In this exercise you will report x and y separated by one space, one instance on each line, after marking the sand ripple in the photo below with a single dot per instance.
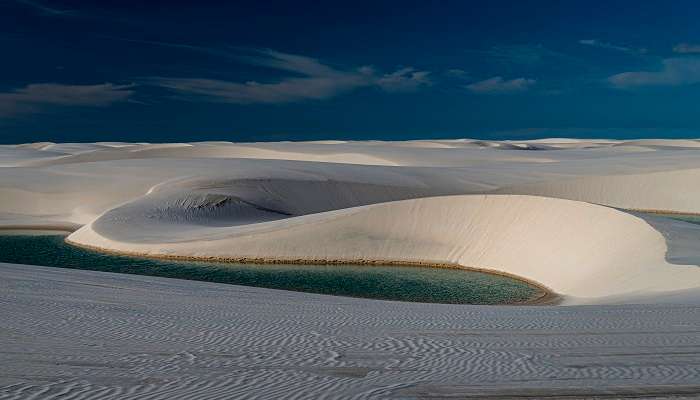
71 334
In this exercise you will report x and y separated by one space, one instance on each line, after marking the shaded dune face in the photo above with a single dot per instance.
199 203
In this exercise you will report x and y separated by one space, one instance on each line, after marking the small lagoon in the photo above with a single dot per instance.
403 283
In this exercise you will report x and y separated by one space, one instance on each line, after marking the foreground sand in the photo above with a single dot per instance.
70 334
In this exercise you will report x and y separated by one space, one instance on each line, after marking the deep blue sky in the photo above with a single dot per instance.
244 71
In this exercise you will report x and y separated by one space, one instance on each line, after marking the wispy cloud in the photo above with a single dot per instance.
286 91
498 85
611 46
37 97
673 72
313 81
686 48
46 10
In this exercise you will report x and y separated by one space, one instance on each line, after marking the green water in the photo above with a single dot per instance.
692 218
421 284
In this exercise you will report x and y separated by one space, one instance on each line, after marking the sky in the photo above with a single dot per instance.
267 70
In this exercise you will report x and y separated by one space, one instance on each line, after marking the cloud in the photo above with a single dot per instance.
686 48
673 72
610 46
38 96
288 90
497 85
313 81
288 62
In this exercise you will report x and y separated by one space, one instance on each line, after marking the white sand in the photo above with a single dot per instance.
295 201
319 201
70 334
298 201
541 210
574 248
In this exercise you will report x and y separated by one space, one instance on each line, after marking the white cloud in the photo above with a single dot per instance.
497 85
314 81
288 62
673 72
686 48
288 90
37 96
610 46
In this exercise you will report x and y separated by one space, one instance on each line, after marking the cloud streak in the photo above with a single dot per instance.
498 85
38 96
673 72
311 80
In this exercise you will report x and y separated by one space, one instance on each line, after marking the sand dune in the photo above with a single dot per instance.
446 153
574 248
336 200
80 192
667 190
557 212
661 143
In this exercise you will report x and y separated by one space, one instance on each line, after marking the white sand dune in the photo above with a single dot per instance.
80 192
664 191
334 200
576 249
557 212
673 143
201 150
